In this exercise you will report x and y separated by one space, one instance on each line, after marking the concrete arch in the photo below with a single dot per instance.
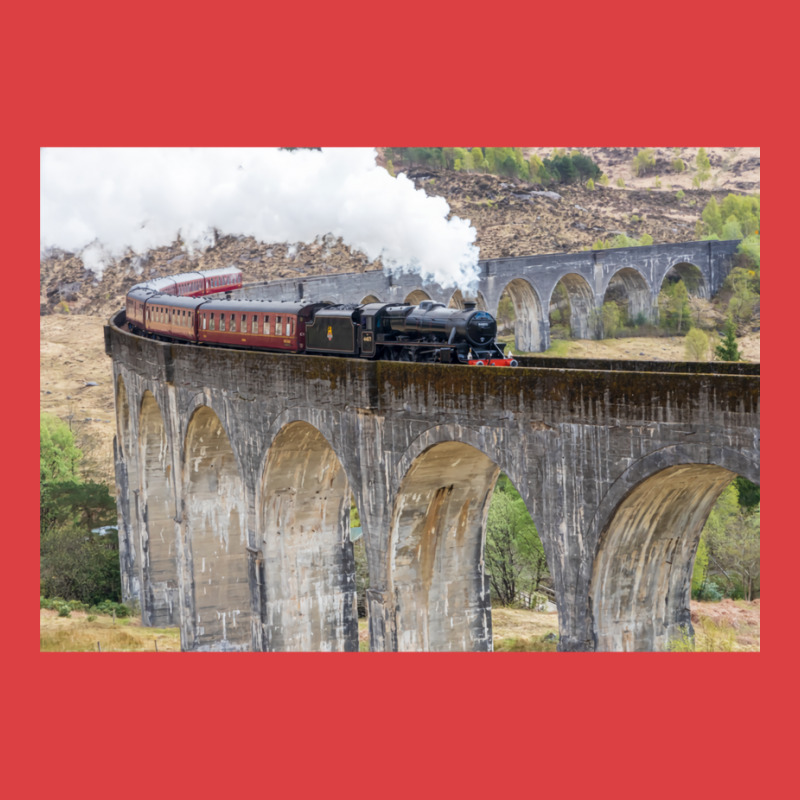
483 441
415 297
529 315
370 298
437 537
629 288
692 277
641 578
309 568
201 400
457 300
158 546
579 307
215 529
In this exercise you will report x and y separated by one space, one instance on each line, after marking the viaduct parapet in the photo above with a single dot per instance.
235 472
634 275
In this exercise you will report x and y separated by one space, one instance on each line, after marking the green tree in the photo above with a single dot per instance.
712 217
75 563
644 161
703 165
728 350
750 248
732 535
590 185
700 571
731 229
58 455
743 285
673 302
514 554
697 345
611 317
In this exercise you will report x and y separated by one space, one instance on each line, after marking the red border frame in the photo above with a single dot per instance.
390 725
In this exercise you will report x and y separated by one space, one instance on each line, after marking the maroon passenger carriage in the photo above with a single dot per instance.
263 324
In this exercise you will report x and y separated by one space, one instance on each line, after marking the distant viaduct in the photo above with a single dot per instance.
634 275
235 472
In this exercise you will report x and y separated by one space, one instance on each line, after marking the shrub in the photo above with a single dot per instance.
680 194
644 161
620 183
63 610
697 345
678 165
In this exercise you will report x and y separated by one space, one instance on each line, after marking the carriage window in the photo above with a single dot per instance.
290 326
233 322
255 323
222 322
211 324
266 323
278 321
243 328
205 321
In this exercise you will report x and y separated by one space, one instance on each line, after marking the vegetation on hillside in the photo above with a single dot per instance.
509 162
728 560
76 563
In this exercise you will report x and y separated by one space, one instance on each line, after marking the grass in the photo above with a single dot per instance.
77 634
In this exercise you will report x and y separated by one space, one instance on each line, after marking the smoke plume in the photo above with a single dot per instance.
105 203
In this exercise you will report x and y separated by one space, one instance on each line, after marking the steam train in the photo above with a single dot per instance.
184 308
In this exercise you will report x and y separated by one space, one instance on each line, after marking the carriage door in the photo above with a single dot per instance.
368 336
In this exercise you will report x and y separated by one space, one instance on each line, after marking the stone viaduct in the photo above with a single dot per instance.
632 275
235 472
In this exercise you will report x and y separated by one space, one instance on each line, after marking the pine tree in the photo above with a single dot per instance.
729 350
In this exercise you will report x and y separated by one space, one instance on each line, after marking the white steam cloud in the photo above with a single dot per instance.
104 203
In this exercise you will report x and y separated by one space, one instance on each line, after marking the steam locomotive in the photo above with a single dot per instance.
184 308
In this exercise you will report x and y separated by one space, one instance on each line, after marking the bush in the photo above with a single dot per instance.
697 345
63 610
710 592
680 194
644 161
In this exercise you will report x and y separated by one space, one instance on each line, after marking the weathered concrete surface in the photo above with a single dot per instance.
632 275
618 470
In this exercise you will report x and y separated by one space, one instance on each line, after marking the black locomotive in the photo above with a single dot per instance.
427 332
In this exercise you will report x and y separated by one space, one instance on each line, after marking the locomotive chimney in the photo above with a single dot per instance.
469 303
